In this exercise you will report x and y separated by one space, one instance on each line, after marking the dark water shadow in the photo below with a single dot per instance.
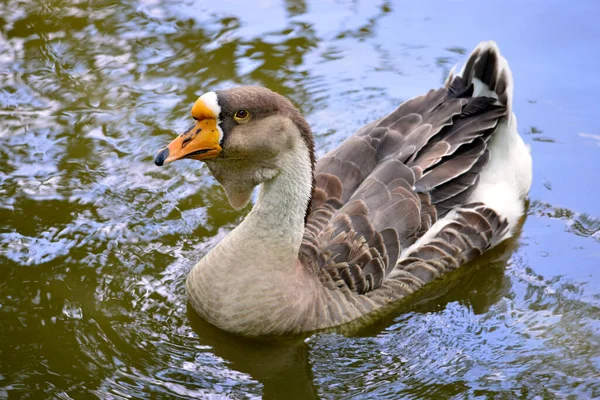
281 364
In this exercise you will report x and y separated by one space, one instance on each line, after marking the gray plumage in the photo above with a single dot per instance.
383 188
403 201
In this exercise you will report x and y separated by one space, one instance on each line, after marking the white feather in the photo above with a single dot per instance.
211 101
506 179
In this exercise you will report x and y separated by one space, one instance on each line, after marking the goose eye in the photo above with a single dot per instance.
241 116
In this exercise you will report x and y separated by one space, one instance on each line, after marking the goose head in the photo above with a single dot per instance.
244 135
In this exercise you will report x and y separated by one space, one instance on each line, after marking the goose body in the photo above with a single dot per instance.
403 201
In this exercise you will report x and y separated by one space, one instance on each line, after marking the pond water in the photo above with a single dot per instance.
95 241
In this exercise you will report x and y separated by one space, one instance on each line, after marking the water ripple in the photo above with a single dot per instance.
96 242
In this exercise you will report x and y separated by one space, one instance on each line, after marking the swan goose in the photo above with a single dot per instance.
403 201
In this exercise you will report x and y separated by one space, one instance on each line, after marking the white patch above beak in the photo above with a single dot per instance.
211 101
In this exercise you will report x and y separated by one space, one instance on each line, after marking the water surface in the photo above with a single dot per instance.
95 241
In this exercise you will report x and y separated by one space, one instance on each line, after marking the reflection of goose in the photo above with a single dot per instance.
282 365
406 199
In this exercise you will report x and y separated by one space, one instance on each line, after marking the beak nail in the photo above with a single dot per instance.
161 157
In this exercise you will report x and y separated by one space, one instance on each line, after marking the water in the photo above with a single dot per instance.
95 241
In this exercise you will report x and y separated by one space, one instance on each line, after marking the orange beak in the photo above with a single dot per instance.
200 142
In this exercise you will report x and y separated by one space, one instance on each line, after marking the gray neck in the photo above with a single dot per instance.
278 215
252 281
269 238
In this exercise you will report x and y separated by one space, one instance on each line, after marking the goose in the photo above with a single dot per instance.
403 201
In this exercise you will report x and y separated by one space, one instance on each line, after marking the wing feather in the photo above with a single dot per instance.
383 188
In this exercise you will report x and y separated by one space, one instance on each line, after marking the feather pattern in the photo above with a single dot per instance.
386 186
406 199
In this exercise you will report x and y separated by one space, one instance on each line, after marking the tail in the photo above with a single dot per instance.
505 181
489 73
492 210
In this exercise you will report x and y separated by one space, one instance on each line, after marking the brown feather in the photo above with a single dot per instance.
387 185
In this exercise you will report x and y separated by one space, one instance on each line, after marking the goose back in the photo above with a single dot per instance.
385 187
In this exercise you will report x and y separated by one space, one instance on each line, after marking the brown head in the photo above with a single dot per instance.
241 134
